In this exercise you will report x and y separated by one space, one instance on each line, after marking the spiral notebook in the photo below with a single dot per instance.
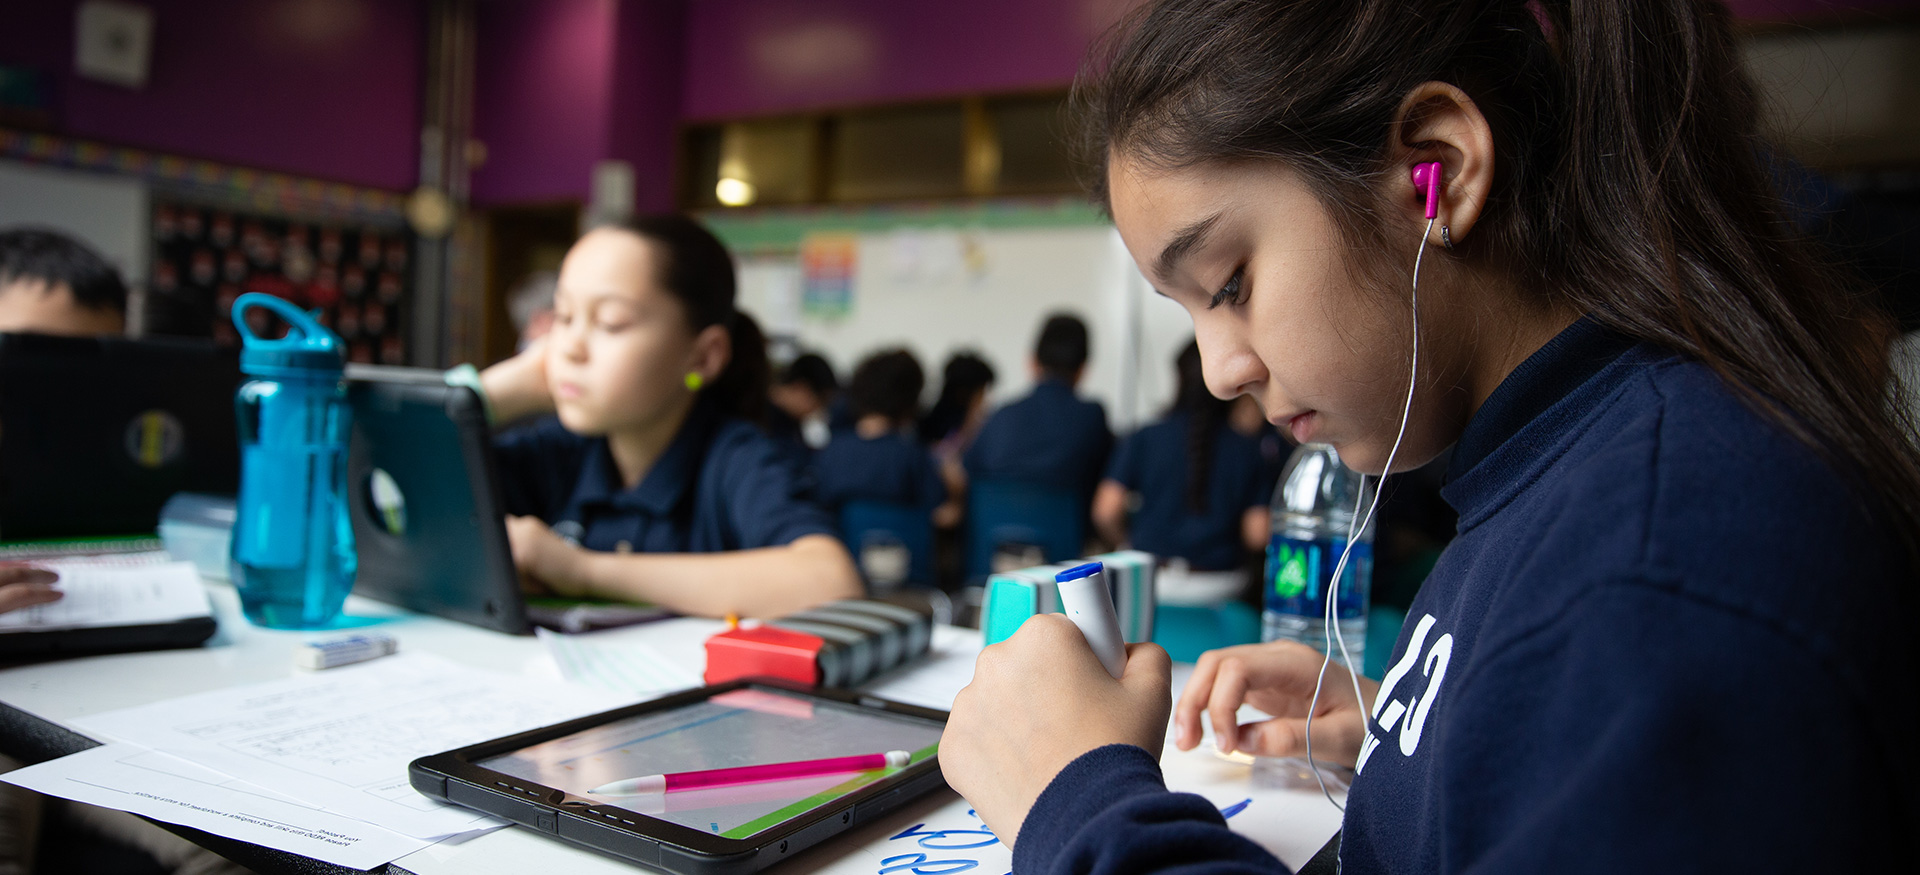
112 602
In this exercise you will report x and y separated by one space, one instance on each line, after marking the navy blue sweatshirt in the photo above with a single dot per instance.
1667 638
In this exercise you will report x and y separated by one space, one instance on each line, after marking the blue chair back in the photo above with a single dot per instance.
863 522
1000 512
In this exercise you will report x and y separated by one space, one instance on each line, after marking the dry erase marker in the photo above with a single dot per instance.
344 651
1083 595
751 774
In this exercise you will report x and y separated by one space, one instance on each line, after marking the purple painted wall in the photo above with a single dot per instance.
324 88
647 75
757 57
764 57
541 87
562 84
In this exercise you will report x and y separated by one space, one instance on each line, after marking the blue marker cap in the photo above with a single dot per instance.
1078 571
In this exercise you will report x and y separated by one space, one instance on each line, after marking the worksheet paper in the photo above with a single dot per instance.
933 681
172 790
625 666
340 740
115 595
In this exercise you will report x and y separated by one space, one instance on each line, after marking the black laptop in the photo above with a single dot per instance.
97 433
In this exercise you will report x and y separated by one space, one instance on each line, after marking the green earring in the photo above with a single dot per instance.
695 381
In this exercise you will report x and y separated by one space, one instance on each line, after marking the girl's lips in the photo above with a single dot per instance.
568 391
1301 427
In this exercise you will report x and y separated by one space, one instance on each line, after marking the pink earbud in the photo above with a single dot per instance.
1427 179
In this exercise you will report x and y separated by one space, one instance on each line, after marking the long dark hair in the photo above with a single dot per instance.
965 376
1630 185
697 270
1206 415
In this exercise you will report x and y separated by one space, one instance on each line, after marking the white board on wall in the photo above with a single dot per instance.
109 213
938 292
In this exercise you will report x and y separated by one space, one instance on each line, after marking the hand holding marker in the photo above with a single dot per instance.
1083 593
759 774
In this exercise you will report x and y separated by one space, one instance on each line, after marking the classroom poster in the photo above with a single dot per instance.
828 262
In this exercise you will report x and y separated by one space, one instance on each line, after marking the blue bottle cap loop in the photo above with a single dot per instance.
309 350
1078 571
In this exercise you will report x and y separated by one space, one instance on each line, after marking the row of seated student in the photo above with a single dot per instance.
1195 483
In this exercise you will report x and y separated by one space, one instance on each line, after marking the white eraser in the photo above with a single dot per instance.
335 652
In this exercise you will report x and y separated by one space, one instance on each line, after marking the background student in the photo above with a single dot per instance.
879 459
1684 580
1200 486
1052 438
956 417
803 396
664 493
53 284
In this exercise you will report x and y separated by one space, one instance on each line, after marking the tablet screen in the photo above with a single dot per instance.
738 728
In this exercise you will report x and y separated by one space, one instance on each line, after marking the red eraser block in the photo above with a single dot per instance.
763 651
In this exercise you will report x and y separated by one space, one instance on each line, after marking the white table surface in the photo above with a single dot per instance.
1293 823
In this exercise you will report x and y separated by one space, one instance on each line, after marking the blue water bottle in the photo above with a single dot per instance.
293 553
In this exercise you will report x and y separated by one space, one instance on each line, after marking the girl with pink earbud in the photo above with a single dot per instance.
1534 236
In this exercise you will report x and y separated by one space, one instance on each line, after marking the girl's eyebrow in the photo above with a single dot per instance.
1183 243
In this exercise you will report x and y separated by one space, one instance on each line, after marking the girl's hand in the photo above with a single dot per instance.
1276 677
546 562
23 586
1038 701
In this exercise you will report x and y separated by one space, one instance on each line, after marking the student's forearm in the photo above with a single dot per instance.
765 582
517 388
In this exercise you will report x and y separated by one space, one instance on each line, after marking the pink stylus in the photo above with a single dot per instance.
751 774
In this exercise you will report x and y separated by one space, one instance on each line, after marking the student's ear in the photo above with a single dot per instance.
1439 122
712 350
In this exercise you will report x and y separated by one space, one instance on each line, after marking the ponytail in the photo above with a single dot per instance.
1630 187
741 388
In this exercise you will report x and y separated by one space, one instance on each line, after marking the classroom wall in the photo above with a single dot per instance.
543 75
760 57
322 88
109 213
564 84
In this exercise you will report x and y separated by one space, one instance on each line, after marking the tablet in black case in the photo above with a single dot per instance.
542 779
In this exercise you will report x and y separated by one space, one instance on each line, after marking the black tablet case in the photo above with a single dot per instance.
452 558
450 777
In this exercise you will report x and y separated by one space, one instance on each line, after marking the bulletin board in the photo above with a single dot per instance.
356 276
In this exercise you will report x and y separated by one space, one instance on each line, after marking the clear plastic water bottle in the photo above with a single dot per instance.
1313 507
293 551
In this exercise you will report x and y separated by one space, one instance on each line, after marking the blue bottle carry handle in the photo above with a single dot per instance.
312 333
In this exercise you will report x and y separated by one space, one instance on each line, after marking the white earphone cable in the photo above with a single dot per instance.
1355 526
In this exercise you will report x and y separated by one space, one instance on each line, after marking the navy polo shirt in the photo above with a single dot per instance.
893 468
1669 637
1051 438
722 484
1153 463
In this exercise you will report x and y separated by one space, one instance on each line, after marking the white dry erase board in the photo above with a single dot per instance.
936 291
